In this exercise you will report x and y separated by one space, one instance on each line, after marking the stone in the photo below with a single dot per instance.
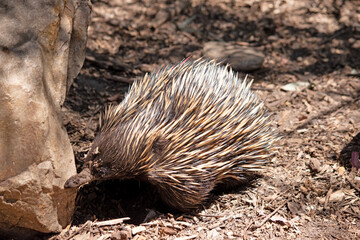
42 49
240 58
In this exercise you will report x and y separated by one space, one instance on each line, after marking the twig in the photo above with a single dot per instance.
353 74
221 221
327 197
111 222
247 227
156 222
118 79
107 64
282 101
351 213
272 214
321 115
76 232
335 35
210 215
184 223
187 237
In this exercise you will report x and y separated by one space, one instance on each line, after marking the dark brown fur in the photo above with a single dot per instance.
185 129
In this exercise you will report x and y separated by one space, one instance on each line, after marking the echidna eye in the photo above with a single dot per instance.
99 170
102 170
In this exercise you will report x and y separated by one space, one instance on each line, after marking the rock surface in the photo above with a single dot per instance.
240 58
42 48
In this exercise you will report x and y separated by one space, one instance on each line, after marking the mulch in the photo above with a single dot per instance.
310 189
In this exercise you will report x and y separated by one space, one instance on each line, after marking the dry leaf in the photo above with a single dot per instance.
278 219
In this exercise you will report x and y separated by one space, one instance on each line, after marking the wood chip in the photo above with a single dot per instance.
184 223
315 165
271 214
168 231
137 230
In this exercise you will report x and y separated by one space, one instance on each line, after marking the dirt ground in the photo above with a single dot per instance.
309 191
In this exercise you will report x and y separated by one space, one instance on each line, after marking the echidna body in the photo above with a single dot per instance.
185 129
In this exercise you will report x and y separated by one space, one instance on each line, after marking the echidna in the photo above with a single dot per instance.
185 129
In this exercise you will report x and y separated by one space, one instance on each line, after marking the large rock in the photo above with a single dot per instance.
240 58
42 48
